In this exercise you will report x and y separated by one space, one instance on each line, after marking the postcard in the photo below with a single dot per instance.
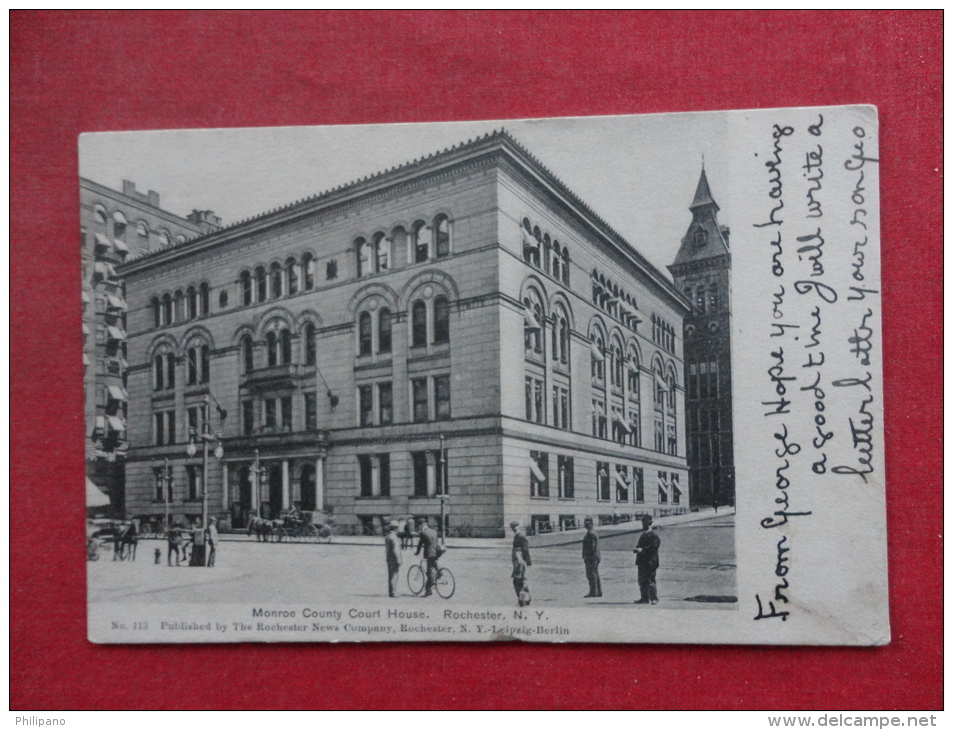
607 379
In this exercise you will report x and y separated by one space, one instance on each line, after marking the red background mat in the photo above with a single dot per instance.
75 72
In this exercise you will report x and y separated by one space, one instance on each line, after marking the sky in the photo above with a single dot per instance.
638 173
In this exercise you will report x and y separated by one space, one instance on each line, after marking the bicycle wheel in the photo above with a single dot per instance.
416 579
324 533
446 584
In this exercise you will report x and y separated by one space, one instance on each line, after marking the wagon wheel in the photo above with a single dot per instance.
324 533
282 535
309 533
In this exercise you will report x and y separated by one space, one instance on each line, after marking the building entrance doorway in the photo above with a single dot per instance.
308 489
274 493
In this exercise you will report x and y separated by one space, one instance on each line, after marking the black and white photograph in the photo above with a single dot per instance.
606 379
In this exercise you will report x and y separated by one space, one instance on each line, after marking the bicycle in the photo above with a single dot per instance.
417 579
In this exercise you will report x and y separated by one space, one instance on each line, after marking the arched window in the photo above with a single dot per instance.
532 324
364 257
170 370
618 365
157 311
204 365
384 330
307 267
560 336
248 354
291 266
399 243
421 241
119 224
191 303
285 338
418 324
565 266
381 253
192 368
99 212
142 231
261 283
165 238
633 374
441 321
166 309
364 334
310 345
276 278
178 306
598 358
248 291
441 227
204 306
271 342
546 253
557 260
159 372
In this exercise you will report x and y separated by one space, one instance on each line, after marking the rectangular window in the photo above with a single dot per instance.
638 483
676 492
192 370
160 429
564 408
600 423
286 413
384 474
419 459
194 473
421 410
385 397
271 412
441 388
602 481
659 437
538 474
311 411
621 483
529 399
367 479
193 415
170 427
366 404
662 488
692 381
248 417
567 489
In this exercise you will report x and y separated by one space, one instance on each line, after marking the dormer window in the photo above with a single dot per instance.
701 238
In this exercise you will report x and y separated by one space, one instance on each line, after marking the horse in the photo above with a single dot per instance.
126 542
263 529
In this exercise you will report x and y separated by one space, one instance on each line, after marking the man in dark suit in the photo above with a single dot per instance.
646 559
392 552
521 559
591 557
428 544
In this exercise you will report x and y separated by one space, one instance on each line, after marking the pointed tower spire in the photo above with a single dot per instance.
703 193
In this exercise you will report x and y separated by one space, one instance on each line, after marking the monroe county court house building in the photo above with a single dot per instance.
462 326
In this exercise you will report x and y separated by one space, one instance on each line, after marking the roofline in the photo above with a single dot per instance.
499 140
92 184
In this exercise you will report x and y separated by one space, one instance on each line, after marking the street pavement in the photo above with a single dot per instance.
697 571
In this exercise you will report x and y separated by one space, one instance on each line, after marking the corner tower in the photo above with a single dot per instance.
702 272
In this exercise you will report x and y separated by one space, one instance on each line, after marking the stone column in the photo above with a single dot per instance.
225 487
285 485
319 484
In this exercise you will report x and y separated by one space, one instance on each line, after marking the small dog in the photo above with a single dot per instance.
524 596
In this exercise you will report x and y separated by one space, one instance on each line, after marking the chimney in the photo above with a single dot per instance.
129 189
206 220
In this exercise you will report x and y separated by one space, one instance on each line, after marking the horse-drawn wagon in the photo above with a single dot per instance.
296 526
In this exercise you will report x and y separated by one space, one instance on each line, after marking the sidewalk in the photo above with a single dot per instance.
537 541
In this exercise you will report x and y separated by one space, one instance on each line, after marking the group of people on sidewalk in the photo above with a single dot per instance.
178 546
646 561
428 544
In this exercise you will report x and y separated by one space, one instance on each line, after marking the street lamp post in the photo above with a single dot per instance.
443 491
206 436
259 473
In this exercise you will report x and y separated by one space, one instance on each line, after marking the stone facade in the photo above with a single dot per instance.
462 326
113 226
702 271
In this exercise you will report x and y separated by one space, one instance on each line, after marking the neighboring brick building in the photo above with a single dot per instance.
114 226
462 324
702 270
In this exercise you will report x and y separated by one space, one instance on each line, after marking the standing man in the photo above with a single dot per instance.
646 558
521 559
591 557
174 538
392 551
211 539
428 544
